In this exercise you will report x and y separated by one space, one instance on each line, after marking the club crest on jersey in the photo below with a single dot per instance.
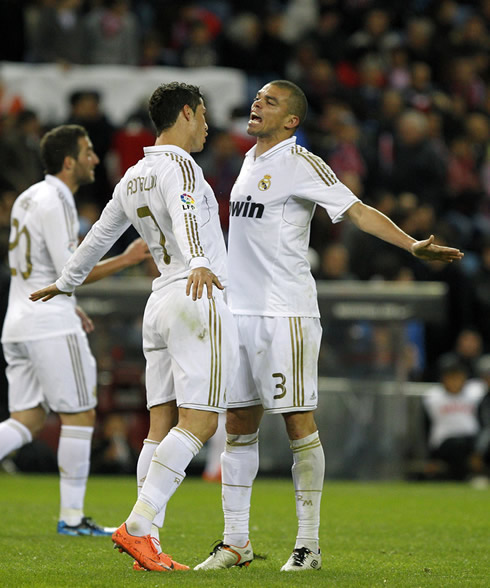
188 202
265 183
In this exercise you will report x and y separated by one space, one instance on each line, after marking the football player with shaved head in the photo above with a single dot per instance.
273 297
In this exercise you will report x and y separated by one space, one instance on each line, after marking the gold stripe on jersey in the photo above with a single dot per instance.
185 178
68 213
191 174
193 235
296 334
215 345
77 366
321 168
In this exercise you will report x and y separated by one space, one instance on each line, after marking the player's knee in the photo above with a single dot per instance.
299 424
243 421
79 419
33 419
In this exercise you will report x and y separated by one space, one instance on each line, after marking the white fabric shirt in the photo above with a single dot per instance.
272 204
174 210
453 415
43 235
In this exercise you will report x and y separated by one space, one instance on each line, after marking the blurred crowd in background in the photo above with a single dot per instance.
399 101
399 107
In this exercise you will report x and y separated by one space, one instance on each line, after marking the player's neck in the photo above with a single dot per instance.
174 136
266 143
68 181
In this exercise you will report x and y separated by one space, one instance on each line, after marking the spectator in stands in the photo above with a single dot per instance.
481 456
469 348
334 263
112 34
58 36
86 110
200 50
20 157
417 167
481 288
451 417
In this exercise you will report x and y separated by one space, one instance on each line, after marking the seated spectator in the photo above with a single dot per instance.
451 417
481 457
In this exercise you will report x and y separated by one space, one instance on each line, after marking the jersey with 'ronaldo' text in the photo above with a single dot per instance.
173 208
271 207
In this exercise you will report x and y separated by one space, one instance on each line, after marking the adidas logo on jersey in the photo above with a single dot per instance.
247 208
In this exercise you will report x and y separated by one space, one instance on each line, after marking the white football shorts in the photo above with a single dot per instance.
191 349
58 373
278 363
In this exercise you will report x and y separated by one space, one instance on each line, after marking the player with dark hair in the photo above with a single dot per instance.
189 340
50 365
273 297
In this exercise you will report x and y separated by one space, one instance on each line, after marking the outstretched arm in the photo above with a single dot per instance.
136 252
372 221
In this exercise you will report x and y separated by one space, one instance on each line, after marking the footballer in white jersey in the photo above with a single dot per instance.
271 207
272 295
174 209
189 340
44 233
49 362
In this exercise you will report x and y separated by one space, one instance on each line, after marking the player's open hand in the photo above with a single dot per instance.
87 324
47 293
198 278
427 250
137 251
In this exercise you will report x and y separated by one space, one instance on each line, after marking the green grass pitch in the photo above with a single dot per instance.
373 534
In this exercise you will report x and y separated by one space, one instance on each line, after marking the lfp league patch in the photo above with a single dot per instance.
188 202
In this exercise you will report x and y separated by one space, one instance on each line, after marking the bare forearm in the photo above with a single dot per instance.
107 267
375 223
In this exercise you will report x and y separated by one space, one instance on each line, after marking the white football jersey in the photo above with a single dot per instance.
174 210
271 207
43 235
453 415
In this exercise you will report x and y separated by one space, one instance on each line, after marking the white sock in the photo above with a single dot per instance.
74 465
142 468
13 435
308 473
239 466
166 472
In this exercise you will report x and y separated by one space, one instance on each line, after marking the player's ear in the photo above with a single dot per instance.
187 112
292 122
68 162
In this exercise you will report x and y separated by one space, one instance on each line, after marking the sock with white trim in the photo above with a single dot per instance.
239 466
166 472
74 465
13 435
308 473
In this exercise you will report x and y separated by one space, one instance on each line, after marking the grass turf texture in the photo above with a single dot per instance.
373 534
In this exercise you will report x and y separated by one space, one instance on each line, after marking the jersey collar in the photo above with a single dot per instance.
61 186
156 149
273 150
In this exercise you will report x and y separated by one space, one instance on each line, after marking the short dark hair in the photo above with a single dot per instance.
59 143
298 104
168 100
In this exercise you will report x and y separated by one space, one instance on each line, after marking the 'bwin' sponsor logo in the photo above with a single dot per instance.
246 208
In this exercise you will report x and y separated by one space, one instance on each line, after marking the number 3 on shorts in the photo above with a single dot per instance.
281 385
